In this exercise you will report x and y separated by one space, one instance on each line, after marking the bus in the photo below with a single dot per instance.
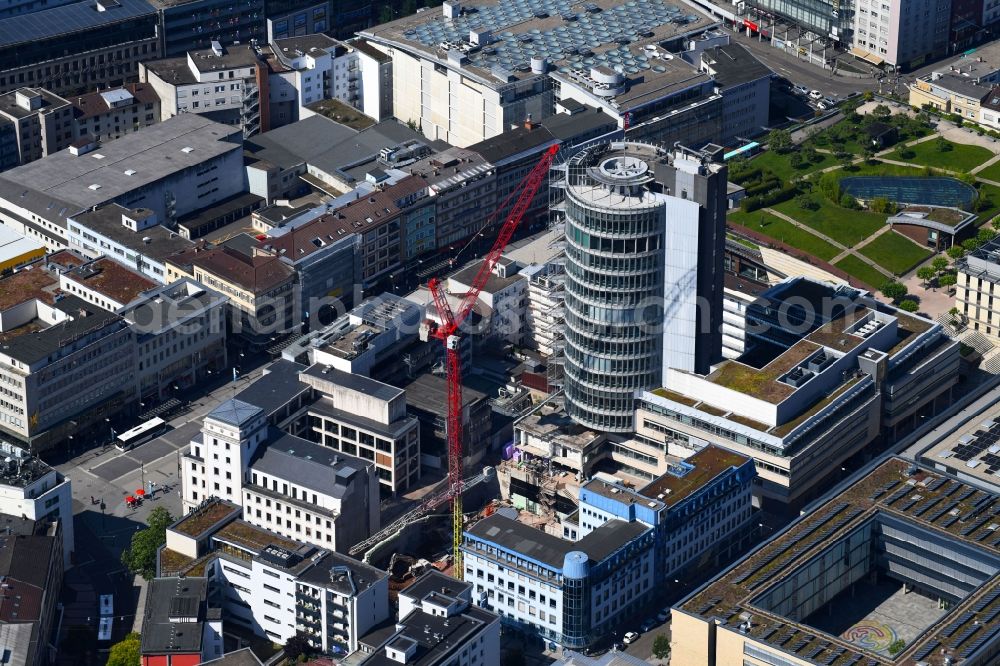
140 434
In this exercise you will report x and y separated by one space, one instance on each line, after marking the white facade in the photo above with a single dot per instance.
734 323
180 334
279 491
546 307
376 84
32 489
901 32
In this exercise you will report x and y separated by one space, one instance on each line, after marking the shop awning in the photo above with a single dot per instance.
867 56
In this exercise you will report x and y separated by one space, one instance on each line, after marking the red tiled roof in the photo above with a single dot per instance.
256 274
92 104
359 216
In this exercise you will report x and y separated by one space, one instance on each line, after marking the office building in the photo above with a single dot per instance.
826 372
204 167
105 283
132 237
180 336
287 484
228 84
261 289
105 115
16 250
969 452
179 622
273 586
78 46
546 312
426 397
509 73
34 491
700 510
66 366
978 281
369 340
571 593
745 85
192 25
31 567
43 122
364 418
638 296
898 536
746 278
437 625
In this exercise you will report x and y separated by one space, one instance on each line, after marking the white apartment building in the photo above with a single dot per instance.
977 292
294 487
900 33
437 625
313 68
222 82
31 489
276 587
503 299
375 66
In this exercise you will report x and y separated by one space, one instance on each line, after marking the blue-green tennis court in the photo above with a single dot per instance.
931 190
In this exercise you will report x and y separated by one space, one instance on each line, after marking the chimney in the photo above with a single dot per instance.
528 124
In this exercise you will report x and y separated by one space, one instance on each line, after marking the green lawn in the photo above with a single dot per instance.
991 194
848 227
786 232
895 252
992 172
961 157
861 271
883 169
778 163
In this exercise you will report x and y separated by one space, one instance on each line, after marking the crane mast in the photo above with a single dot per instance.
447 331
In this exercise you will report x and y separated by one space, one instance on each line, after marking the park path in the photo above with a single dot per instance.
844 250
990 162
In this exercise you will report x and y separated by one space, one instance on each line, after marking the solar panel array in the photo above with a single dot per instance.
574 39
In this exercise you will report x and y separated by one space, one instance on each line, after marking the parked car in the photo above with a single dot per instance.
663 616
647 625
815 94
829 101
822 106
630 637
800 90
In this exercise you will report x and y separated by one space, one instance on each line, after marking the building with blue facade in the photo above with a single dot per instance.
616 552
701 508
569 593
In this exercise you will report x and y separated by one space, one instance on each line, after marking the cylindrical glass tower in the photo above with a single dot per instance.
614 288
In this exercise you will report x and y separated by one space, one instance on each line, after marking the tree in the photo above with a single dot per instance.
795 160
909 305
881 111
779 140
140 556
868 96
947 280
942 145
939 264
661 646
926 274
296 646
896 647
986 235
847 201
971 244
956 251
967 178
806 202
125 653
893 290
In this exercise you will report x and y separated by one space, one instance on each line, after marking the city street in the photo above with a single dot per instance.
109 476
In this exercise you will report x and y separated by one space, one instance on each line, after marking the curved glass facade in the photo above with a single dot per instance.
615 228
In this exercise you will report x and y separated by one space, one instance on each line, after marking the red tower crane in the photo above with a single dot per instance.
447 332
